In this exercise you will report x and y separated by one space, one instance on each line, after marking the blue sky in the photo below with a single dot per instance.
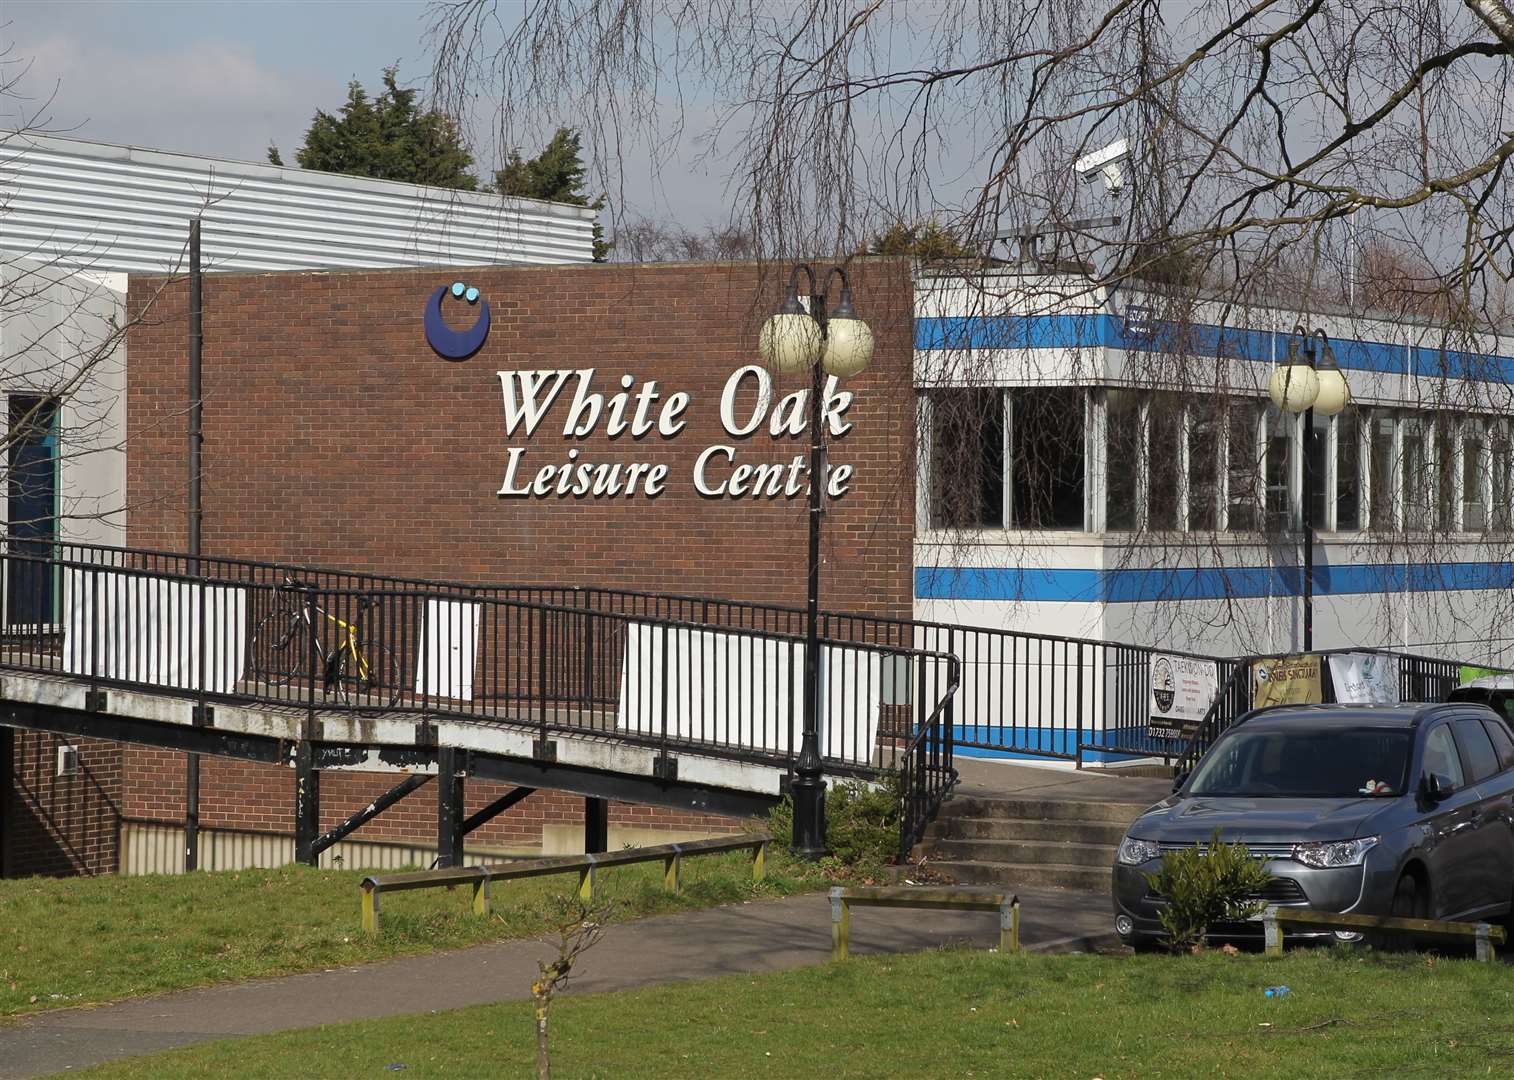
224 77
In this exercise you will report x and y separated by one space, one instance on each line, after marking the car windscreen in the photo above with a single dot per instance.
1305 763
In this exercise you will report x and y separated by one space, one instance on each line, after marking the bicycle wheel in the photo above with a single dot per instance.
276 649
376 683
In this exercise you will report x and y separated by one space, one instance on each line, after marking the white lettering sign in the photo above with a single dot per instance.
746 407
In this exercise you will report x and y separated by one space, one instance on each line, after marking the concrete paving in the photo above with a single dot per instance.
752 937
988 777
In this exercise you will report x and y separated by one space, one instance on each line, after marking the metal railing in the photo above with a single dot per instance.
216 629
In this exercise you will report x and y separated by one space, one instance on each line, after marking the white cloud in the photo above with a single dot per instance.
210 98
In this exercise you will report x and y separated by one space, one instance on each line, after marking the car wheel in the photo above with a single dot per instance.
1411 900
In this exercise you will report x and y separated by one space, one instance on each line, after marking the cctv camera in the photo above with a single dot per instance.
1105 164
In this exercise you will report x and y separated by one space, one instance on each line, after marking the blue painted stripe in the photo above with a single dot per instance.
1260 346
1131 586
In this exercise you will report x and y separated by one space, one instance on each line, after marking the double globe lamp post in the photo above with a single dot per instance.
1310 382
822 341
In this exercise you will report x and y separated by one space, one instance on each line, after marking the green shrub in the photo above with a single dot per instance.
861 822
1206 885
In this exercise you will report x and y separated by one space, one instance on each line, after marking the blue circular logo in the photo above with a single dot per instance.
453 344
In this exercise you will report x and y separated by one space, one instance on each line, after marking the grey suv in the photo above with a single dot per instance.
1402 810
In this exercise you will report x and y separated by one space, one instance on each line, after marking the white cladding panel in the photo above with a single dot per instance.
90 205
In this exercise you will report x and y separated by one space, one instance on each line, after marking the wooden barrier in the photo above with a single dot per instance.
587 866
1484 935
843 900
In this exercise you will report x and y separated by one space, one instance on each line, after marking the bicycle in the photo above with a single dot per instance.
359 670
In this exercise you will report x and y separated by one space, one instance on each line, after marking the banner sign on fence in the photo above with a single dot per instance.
1364 678
746 691
1285 680
146 629
1182 689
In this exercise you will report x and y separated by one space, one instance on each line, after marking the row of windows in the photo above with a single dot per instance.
1112 460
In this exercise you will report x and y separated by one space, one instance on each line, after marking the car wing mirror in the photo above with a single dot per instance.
1434 787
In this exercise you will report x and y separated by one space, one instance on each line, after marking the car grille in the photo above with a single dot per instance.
1258 851
1279 890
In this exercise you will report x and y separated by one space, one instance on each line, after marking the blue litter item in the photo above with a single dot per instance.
1276 991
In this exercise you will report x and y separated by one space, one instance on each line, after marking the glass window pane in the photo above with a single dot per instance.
1319 476
1445 471
32 509
1204 467
967 459
1384 476
1122 459
1279 443
1164 459
1047 451
1476 750
1244 468
1474 515
1415 469
1348 464
1501 456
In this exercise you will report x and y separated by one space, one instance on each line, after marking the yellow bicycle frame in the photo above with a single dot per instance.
349 644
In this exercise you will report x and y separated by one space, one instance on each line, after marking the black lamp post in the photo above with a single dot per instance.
834 342
1310 382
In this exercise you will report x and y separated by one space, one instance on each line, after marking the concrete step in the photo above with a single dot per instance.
1022 852
1010 875
1078 832
978 806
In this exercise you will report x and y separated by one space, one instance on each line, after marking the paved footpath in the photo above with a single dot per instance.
752 937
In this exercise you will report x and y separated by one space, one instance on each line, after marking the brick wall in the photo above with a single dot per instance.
335 436
55 824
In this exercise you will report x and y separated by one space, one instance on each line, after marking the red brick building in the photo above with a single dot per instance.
336 436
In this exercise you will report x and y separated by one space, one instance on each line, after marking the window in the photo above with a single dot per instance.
1123 457
1417 479
1476 750
1383 474
1204 429
31 593
1503 743
967 459
1047 452
1285 763
1164 459
1349 428
1444 428
1318 450
1474 513
1243 468
1279 443
1441 759
1500 459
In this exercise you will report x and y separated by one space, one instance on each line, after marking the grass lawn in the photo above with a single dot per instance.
77 940
948 1014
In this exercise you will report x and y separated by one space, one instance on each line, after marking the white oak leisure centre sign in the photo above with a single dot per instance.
746 408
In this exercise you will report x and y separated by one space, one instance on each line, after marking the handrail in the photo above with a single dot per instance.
1485 935
480 877
844 899
1209 728
924 784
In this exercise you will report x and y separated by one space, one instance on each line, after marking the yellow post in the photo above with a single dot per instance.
586 884
481 896
370 911
760 861
1009 927
841 924
671 867
1272 933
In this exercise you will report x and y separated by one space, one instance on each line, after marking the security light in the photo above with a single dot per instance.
1105 165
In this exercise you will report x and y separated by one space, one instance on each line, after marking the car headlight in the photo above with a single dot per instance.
1133 852
1329 854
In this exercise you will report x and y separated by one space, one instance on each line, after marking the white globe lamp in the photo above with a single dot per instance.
1293 387
790 340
